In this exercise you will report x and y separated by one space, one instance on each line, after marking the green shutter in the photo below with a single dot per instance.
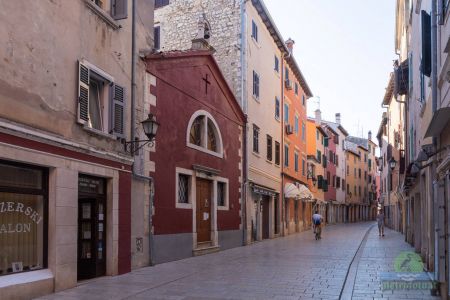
325 185
326 141
319 181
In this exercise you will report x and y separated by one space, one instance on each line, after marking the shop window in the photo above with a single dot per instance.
23 218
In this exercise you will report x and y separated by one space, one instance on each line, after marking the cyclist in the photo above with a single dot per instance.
317 220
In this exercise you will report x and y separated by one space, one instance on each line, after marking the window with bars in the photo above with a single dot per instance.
221 194
183 188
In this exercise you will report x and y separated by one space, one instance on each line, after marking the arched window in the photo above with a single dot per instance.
203 134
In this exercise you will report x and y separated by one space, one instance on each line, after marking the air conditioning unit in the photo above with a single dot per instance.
288 84
289 129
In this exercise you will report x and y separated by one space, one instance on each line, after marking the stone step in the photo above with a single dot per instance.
205 250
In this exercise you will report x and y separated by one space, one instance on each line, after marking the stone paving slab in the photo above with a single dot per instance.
377 258
292 267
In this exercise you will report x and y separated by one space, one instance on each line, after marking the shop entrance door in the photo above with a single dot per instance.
91 229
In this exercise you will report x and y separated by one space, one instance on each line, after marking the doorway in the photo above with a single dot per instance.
91 228
265 217
203 210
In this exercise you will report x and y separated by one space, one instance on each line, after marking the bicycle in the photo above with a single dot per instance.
318 232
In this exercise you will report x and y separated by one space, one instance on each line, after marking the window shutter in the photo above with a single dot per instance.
117 123
83 93
326 142
119 9
319 181
426 44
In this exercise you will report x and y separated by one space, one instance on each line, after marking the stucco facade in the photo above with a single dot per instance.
42 124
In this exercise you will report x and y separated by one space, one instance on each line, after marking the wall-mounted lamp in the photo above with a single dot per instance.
150 128
392 163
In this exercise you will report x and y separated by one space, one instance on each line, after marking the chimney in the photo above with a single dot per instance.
318 117
338 118
290 45
370 135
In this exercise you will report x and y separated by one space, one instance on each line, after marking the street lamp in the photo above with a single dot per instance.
150 127
392 163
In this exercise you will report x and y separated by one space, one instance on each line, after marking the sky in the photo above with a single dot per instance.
345 50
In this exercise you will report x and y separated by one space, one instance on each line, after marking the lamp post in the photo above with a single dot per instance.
150 127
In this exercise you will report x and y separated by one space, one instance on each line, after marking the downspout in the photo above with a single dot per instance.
133 73
435 142
133 121
245 183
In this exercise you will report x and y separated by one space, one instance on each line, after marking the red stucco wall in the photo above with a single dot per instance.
180 92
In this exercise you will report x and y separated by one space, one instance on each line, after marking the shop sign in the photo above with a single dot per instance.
18 207
90 185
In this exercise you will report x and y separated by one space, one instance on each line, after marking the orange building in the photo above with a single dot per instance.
316 149
297 208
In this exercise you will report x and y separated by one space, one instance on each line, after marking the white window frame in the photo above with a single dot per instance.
191 185
203 148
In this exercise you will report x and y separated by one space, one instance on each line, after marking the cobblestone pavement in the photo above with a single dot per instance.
292 267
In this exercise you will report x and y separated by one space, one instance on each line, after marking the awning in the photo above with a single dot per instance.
291 191
300 192
305 193
440 119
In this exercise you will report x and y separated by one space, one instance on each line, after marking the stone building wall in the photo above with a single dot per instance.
178 23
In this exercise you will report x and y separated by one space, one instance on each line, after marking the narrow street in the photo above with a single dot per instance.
292 267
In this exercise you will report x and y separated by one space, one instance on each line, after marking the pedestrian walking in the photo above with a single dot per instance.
380 219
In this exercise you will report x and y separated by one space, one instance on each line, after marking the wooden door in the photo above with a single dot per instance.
265 217
204 196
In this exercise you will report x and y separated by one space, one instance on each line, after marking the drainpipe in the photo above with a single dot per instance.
245 183
433 109
133 72
133 121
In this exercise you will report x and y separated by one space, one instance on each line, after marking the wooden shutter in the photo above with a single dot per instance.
119 9
83 93
117 123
